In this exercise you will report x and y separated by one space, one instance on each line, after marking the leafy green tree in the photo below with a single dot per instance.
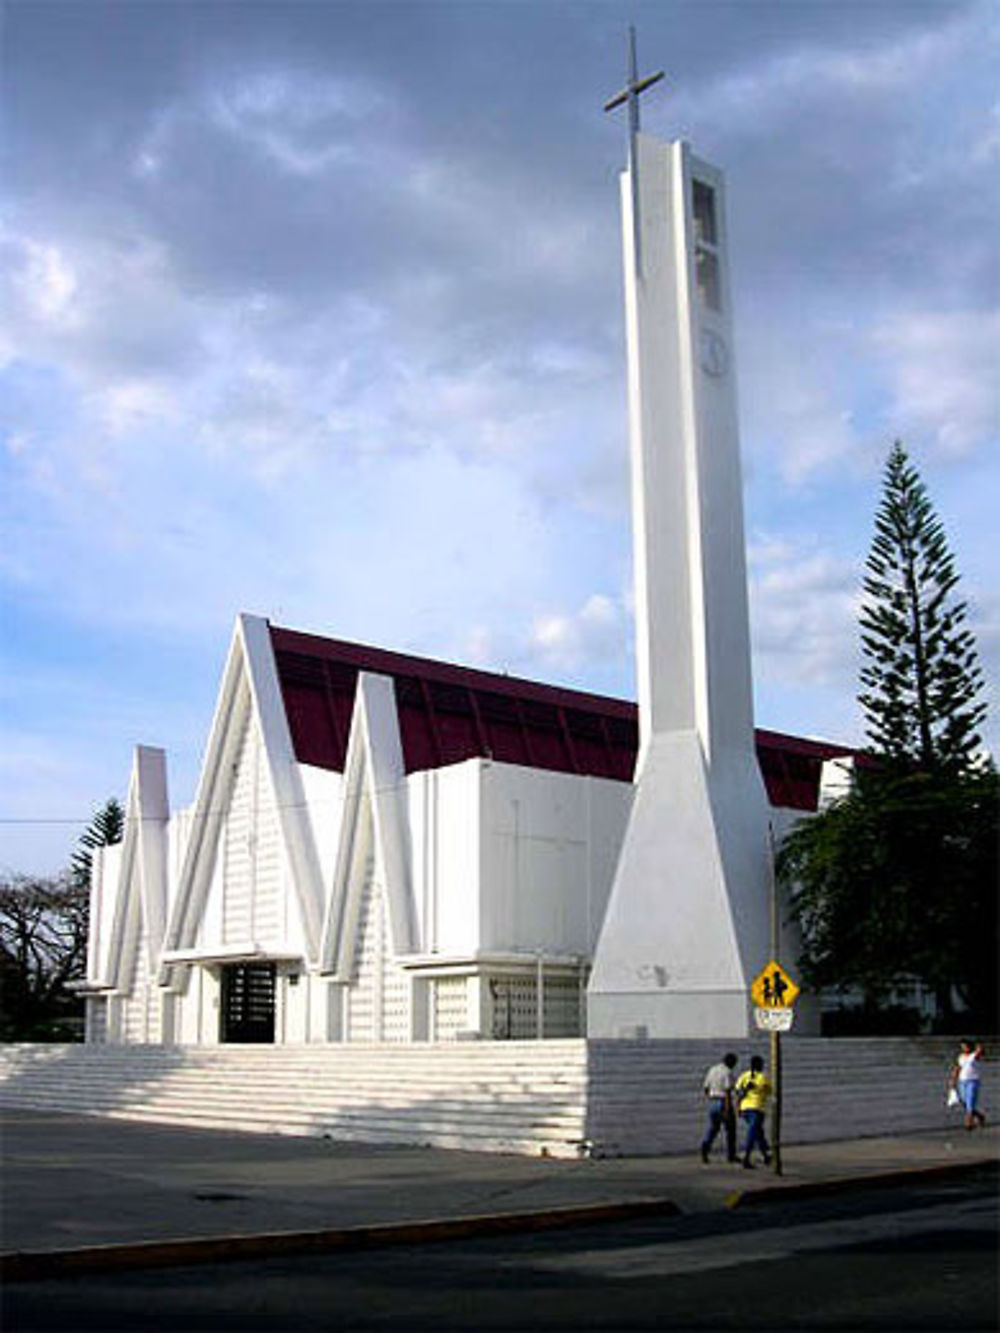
105 829
920 676
898 879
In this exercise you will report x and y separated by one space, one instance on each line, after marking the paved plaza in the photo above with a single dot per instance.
90 1191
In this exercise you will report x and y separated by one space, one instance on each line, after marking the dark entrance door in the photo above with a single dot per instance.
247 1002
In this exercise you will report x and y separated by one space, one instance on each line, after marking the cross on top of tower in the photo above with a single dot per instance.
630 93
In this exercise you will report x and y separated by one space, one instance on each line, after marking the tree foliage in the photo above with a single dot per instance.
43 940
920 676
105 829
43 948
898 879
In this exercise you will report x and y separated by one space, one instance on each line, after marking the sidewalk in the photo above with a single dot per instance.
107 1193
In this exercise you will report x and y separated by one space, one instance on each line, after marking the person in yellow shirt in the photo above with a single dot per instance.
753 1091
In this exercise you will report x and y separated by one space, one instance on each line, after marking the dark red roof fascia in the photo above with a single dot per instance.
801 745
791 767
449 713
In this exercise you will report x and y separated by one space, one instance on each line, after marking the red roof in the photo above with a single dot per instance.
449 713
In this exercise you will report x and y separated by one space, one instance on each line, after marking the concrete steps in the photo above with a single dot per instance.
524 1097
624 1097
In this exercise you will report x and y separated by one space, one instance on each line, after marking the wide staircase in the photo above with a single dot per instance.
519 1097
561 1098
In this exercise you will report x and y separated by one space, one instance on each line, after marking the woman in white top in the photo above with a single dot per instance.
965 1079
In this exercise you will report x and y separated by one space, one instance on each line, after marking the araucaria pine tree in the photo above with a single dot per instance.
105 829
920 678
896 880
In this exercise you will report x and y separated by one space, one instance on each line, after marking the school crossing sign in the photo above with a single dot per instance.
774 993
774 988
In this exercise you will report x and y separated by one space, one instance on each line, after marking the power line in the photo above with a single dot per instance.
84 819
213 812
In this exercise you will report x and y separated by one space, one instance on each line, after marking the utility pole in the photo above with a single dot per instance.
775 1034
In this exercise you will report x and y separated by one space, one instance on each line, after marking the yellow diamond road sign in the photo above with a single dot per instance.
774 988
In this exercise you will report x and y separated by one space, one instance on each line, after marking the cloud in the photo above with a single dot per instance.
588 648
942 369
984 621
842 69
97 308
597 630
920 374
303 123
793 408
42 282
309 322
803 612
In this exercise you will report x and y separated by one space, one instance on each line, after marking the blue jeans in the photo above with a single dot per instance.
755 1135
717 1119
968 1091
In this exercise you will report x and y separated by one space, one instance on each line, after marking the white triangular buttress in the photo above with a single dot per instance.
374 817
250 687
140 888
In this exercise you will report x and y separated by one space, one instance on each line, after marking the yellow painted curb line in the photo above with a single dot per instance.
28 1265
877 1180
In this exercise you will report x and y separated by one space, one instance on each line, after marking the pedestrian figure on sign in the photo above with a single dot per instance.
767 990
718 1088
964 1079
753 1090
778 987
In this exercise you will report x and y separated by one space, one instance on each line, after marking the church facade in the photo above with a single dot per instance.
385 849
382 849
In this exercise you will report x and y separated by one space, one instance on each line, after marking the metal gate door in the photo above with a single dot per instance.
247 1002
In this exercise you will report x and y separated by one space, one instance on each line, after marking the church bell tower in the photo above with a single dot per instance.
688 919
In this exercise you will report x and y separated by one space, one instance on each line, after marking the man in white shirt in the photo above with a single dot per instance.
718 1087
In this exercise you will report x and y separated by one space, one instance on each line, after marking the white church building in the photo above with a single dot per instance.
418 903
382 848
387 849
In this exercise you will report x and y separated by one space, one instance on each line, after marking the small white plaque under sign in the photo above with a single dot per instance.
774 1020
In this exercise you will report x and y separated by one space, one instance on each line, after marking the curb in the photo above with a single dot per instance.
809 1189
37 1265
33 1265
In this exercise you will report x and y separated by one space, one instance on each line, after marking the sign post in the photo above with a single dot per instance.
774 992
775 1032
776 1119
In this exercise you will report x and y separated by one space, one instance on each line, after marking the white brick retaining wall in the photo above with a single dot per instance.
645 1097
627 1098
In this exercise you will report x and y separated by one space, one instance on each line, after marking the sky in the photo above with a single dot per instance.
315 311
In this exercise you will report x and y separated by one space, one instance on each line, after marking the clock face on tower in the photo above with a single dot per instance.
713 353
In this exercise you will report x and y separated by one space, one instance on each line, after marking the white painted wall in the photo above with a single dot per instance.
378 997
549 845
137 997
178 837
103 898
505 860
496 865
444 811
250 900
324 793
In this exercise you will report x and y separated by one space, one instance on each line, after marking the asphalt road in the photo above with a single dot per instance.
913 1258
